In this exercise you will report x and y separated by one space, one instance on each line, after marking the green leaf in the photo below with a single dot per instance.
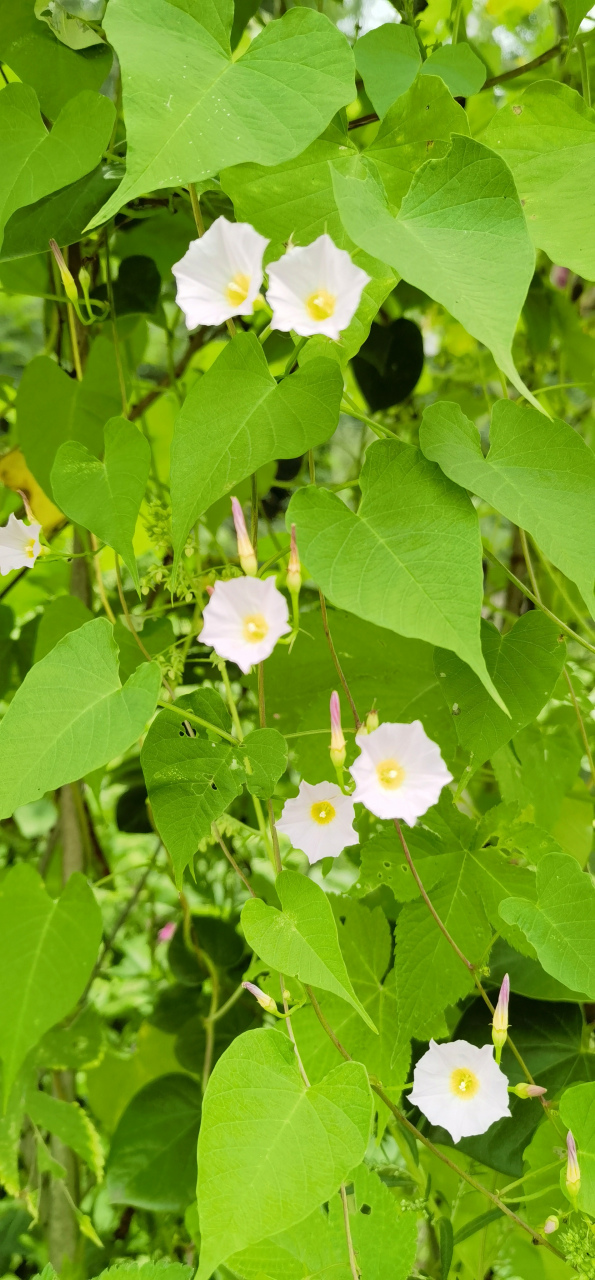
524 664
157 635
423 120
131 1269
69 410
55 72
105 497
388 60
380 667
270 1151
460 68
44 161
215 15
77 1046
429 975
152 1158
548 140
197 123
59 618
539 474
266 750
577 1111
190 782
384 1237
460 220
316 1247
527 977
71 1124
61 216
413 566
561 924
71 715
257 420
47 952
366 944
575 11
301 940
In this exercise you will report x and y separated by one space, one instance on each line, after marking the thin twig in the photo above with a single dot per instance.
527 66
127 613
335 659
565 672
531 596
355 1272
100 583
231 859
130 905
194 344
431 909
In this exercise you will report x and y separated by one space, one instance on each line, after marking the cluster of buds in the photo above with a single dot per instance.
246 551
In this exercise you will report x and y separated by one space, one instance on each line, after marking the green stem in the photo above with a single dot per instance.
204 724
531 596
586 85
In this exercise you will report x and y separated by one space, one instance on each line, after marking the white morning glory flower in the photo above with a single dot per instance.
244 619
400 772
460 1087
319 821
315 289
221 274
19 544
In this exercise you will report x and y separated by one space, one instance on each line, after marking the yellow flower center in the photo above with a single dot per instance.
464 1083
255 628
320 305
323 812
237 289
30 549
390 775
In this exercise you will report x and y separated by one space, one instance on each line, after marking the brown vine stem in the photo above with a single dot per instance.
565 672
339 669
531 596
431 908
379 1090
231 859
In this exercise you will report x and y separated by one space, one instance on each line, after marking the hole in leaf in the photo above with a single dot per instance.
387 865
342 919
365 1209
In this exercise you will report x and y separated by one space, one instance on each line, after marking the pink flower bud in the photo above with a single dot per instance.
559 277
525 1090
573 1172
551 1224
294 572
167 932
245 548
265 1002
500 1020
209 590
337 747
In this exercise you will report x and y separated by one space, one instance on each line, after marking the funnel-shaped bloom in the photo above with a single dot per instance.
265 1002
19 544
399 772
460 1087
315 289
220 274
246 551
244 619
319 821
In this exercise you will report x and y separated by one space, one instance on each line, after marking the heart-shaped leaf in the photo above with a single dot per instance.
460 235
269 1149
257 420
540 475
185 100
47 951
524 665
301 940
105 497
413 565
561 924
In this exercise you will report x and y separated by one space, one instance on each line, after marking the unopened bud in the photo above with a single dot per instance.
209 589
67 278
265 1002
525 1090
551 1224
245 549
294 570
337 747
573 1172
372 721
84 280
500 1020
